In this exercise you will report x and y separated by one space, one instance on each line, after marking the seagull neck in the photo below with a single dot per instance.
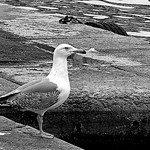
59 68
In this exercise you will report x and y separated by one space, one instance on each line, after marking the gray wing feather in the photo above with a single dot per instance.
35 95
35 101
18 90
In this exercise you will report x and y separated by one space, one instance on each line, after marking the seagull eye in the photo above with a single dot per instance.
66 48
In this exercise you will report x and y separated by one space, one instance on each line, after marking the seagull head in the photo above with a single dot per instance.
65 50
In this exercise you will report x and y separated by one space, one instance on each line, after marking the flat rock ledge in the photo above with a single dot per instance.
16 136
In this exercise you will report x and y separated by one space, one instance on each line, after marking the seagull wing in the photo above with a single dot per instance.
43 86
35 97
18 90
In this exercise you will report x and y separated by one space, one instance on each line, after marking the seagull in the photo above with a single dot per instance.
45 94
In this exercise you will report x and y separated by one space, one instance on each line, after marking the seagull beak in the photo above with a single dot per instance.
79 51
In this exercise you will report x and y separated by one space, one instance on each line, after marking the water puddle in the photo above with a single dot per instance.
147 21
135 2
4 133
140 33
26 8
57 15
97 16
123 17
105 4
46 7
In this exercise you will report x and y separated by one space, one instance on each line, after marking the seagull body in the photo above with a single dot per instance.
48 93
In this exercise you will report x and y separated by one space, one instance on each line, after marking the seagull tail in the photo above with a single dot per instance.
5 106
4 98
4 103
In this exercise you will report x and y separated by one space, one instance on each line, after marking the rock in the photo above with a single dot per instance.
109 96
16 136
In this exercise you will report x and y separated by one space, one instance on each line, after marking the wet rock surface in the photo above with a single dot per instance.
110 90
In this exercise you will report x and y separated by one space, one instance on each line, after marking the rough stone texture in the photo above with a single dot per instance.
110 88
16 136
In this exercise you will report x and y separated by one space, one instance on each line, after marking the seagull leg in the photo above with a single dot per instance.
42 133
